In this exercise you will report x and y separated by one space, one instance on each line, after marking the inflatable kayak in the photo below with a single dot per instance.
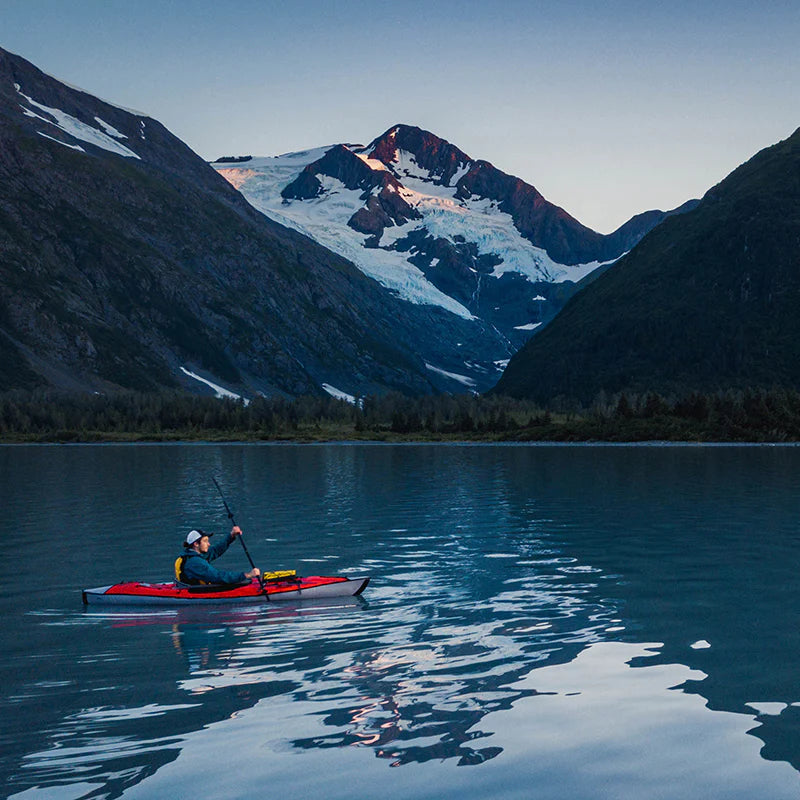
178 594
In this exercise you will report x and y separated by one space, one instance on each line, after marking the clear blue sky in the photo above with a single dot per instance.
608 108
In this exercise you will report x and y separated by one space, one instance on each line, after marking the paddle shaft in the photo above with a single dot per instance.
233 522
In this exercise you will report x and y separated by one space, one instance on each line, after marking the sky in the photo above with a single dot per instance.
607 108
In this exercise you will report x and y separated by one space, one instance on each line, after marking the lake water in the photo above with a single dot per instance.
548 622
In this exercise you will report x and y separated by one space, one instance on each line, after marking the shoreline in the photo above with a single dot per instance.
103 438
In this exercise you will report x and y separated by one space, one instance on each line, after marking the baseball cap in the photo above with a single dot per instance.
195 536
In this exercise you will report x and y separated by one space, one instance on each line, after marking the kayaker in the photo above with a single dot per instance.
192 565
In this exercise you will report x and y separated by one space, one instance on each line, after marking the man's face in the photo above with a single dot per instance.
202 544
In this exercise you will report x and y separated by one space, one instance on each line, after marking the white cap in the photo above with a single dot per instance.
195 536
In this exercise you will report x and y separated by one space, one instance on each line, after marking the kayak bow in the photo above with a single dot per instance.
175 594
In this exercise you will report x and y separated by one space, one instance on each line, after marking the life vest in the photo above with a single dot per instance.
180 577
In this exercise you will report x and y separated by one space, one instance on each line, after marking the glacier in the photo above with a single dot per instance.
445 216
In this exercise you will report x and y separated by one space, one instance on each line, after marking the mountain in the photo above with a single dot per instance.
436 226
707 301
126 261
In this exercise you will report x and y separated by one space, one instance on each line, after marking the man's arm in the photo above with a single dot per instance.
215 551
218 548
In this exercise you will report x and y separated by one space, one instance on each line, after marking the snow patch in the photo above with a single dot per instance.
339 394
220 390
373 163
58 141
33 115
303 157
237 177
404 165
531 326
452 375
110 129
75 128
462 170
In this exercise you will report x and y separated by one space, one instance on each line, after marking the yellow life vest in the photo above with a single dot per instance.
180 563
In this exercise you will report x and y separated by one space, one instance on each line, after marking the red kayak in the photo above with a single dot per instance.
176 594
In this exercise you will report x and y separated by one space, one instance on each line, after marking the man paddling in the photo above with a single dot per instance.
192 565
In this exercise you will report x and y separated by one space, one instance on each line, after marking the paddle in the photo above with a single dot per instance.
233 522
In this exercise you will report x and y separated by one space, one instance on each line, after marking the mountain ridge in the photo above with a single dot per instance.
706 301
537 218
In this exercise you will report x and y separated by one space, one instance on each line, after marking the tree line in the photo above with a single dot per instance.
746 415
71 415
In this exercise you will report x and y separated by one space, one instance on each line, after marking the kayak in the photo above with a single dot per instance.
178 594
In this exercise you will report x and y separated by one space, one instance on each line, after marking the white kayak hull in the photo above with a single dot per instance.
142 594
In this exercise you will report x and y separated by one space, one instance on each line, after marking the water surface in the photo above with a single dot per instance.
557 622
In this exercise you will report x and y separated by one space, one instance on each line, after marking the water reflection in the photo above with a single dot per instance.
411 676
516 597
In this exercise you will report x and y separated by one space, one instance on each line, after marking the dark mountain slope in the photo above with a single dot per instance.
708 300
124 257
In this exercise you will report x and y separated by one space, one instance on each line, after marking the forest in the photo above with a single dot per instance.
755 415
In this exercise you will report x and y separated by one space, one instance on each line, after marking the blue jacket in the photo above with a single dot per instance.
196 568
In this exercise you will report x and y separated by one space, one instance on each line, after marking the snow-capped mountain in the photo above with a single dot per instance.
435 226
126 261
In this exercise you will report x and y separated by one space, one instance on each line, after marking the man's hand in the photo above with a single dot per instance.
236 531
254 573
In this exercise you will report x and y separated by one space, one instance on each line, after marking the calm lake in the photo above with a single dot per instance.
543 622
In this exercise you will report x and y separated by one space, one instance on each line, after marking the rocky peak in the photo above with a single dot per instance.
380 190
339 162
436 156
